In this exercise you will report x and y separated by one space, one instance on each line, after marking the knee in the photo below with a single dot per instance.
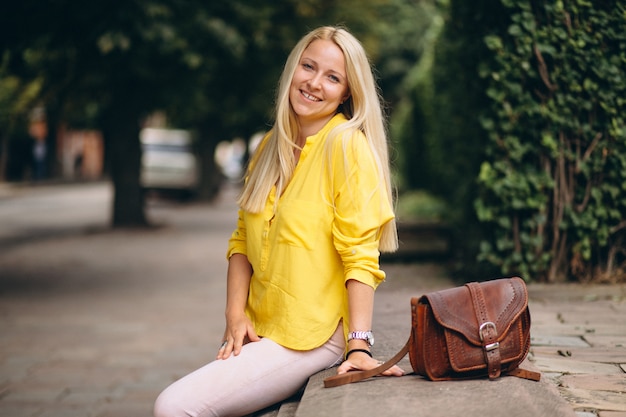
166 405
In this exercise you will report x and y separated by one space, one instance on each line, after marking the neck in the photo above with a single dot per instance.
301 140
306 129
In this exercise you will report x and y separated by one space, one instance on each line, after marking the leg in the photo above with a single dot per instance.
263 374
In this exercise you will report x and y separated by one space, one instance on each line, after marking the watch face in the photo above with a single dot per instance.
367 336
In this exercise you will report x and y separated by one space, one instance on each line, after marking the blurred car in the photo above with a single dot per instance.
168 162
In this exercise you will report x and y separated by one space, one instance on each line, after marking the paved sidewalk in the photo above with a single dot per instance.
95 323
579 343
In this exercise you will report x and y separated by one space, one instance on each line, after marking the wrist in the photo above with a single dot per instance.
364 336
357 344
364 351
234 313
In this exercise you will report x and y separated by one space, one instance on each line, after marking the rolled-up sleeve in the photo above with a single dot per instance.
237 241
361 209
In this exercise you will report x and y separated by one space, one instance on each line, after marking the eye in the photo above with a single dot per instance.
307 66
334 78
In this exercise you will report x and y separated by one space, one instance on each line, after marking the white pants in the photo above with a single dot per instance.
263 374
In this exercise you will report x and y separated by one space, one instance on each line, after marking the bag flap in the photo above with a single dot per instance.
453 308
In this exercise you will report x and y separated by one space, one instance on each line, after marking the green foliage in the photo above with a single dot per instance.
441 140
553 184
410 128
421 207
519 124
202 62
211 66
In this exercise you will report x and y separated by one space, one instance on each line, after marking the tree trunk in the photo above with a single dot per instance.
210 176
4 151
125 161
52 163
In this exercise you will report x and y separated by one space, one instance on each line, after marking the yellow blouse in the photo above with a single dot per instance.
303 250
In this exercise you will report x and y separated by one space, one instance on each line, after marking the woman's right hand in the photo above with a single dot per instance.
239 331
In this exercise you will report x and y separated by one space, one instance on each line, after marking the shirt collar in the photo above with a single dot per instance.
333 122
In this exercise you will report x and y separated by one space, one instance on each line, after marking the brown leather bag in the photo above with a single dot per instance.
477 330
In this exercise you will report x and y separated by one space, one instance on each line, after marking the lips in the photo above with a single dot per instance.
309 96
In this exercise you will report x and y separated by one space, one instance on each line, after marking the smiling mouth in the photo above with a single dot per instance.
309 96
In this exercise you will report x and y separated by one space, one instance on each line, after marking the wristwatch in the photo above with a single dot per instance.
368 336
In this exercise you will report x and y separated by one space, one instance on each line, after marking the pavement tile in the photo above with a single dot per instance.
615 383
72 374
581 330
602 413
570 292
86 397
600 355
125 410
552 340
602 400
16 367
64 411
555 326
36 394
579 309
19 410
617 341
571 366
585 413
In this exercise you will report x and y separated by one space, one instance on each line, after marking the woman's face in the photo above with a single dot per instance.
319 85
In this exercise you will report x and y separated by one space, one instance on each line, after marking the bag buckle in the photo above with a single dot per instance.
484 326
492 346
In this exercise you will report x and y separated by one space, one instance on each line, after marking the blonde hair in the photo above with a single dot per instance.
273 162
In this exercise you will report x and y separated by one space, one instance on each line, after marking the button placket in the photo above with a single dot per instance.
267 224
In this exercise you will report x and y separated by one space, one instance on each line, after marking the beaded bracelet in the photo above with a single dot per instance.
350 352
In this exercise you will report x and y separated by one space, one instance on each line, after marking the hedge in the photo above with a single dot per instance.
552 186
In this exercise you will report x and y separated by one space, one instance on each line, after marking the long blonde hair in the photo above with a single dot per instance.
273 163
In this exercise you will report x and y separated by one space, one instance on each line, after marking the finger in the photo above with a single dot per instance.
394 371
348 365
237 344
345 367
252 336
224 350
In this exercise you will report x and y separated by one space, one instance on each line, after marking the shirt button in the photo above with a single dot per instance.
353 251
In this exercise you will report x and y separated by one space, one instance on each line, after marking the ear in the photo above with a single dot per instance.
347 96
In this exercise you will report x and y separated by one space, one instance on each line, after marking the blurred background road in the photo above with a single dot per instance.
93 321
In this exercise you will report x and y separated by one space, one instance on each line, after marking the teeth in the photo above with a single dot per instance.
310 97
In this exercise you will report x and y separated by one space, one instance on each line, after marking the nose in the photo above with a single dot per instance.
315 81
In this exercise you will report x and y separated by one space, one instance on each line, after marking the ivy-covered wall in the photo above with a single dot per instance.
552 189
525 136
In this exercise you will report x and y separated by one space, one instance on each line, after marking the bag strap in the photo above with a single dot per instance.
525 374
487 331
355 376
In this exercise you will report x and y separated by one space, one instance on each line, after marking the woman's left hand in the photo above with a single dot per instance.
360 361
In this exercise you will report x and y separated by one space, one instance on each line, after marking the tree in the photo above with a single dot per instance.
124 59
211 66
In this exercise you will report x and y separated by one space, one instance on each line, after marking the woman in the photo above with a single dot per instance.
315 211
